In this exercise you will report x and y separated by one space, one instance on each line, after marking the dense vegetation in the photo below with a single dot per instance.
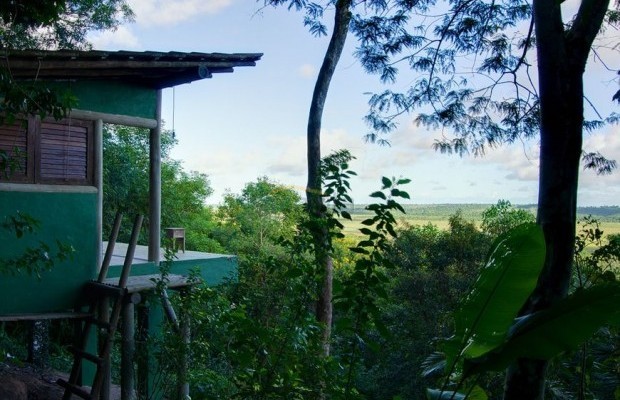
397 287
255 337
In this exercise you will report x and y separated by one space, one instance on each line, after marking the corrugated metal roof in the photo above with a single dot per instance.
150 68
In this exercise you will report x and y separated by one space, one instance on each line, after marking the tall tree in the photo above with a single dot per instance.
259 217
63 24
562 56
314 191
473 77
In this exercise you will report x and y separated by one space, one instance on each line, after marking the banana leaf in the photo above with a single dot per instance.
504 284
560 328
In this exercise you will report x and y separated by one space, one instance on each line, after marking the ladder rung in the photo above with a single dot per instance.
87 356
77 390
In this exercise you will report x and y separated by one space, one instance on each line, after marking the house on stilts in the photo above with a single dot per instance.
59 179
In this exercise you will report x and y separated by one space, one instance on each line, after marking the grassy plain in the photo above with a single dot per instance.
438 215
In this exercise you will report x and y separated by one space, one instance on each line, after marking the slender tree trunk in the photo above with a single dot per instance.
313 189
562 57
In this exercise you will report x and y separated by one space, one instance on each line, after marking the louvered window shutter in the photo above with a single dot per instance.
63 154
15 158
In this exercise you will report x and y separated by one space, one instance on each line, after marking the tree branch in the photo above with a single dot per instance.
586 26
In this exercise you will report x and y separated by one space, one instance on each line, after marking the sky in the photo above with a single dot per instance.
252 123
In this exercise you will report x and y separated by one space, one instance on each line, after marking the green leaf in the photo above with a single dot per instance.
403 181
506 281
562 327
345 214
387 182
358 250
379 195
366 231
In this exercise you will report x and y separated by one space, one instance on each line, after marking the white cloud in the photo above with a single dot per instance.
171 12
520 161
121 38
290 159
307 71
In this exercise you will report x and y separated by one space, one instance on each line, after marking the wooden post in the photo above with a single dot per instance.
155 186
128 348
186 335
143 350
104 315
99 183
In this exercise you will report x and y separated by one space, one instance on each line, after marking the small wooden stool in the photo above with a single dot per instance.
178 237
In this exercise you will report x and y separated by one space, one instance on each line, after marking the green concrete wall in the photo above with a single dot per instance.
213 270
68 217
111 97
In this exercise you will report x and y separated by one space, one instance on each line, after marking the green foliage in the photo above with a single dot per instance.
591 371
488 337
31 98
258 338
548 333
60 24
125 180
200 232
254 221
432 271
502 217
595 260
503 286
360 293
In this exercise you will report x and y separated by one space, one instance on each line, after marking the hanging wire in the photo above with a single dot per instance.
173 111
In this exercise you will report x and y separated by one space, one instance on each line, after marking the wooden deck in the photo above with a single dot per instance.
141 255
212 268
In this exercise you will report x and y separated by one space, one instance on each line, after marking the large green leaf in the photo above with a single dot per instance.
507 279
562 327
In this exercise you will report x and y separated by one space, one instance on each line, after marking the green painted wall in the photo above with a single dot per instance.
212 270
69 217
112 97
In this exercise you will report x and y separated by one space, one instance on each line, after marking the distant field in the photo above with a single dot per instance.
438 214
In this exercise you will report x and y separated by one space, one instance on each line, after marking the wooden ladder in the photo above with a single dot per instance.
99 293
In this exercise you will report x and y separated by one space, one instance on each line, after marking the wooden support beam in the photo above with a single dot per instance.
116 119
128 350
104 315
99 183
155 186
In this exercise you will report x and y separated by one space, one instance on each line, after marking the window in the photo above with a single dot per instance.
48 151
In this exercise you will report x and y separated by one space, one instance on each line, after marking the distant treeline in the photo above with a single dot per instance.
474 211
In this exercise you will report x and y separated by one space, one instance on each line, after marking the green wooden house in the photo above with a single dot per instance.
59 182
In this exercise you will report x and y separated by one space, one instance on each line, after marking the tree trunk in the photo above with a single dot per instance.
313 189
561 62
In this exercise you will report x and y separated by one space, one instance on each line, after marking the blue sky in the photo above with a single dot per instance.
237 127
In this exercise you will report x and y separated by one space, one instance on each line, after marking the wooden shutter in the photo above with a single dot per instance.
64 154
15 142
